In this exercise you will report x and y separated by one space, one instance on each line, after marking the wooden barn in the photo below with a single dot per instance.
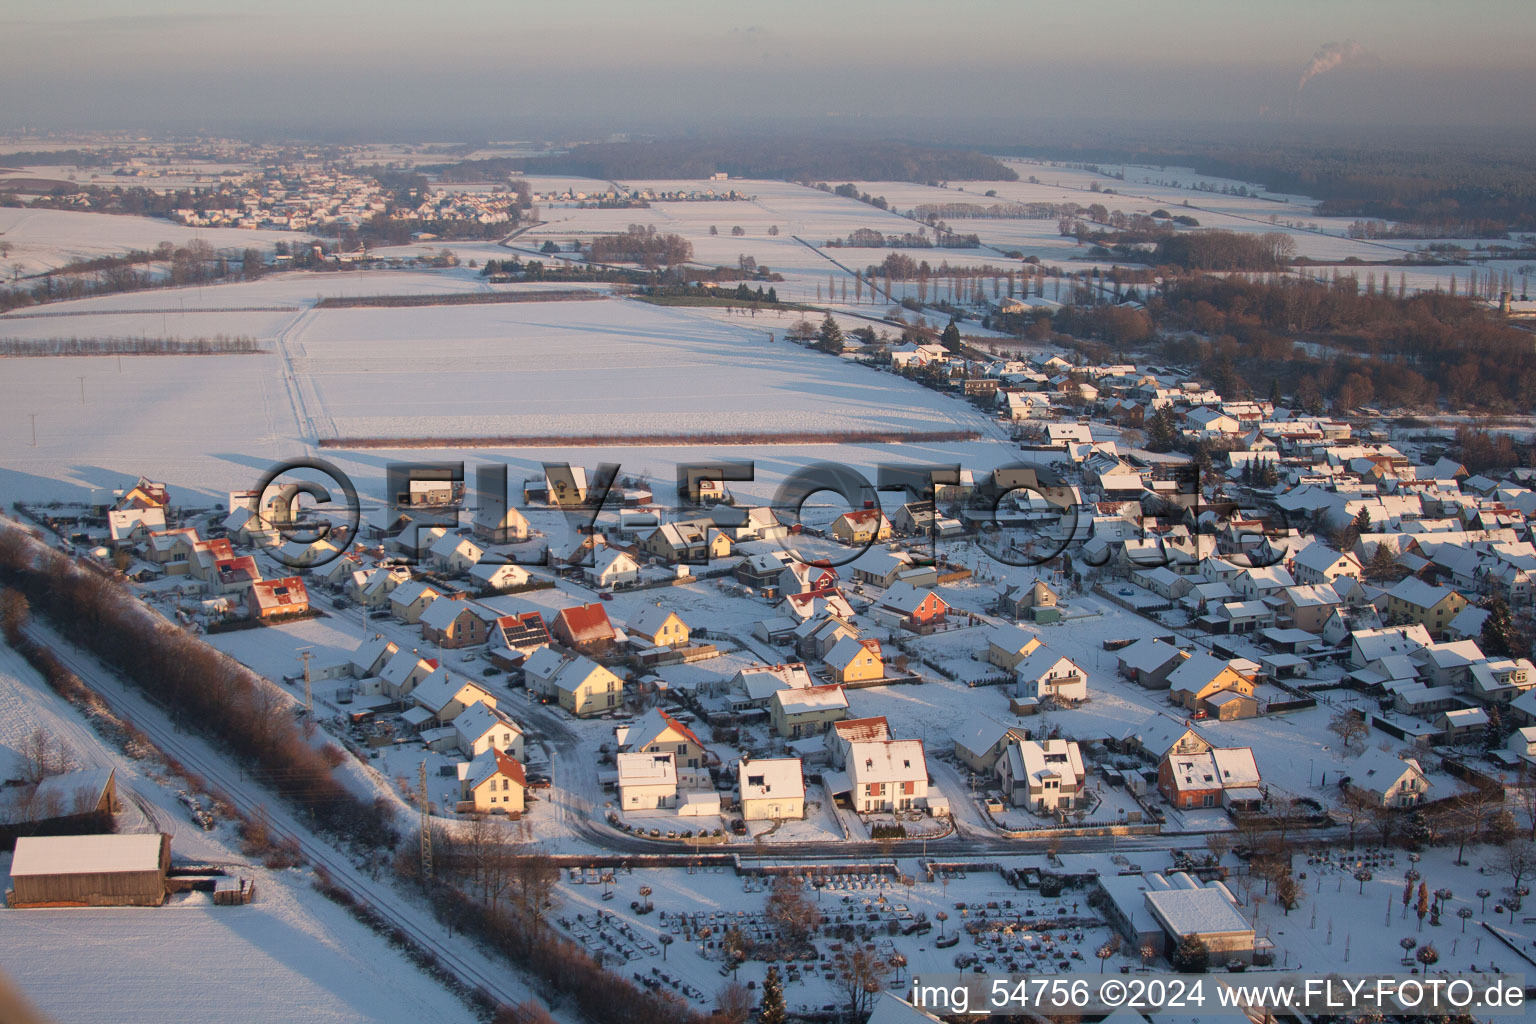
90 871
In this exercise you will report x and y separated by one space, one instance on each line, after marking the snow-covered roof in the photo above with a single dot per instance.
86 855
778 777
886 761
642 769
1192 911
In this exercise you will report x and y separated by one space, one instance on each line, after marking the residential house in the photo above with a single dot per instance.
646 781
1386 781
1022 601
1306 607
498 577
659 627
1221 776
1370 645
492 783
772 789
852 660
409 600
1318 563
1201 677
1415 602
862 526
854 730
498 522
454 555
690 542
271 599
807 712
401 674
1045 673
584 628
134 525
887 775
612 568
804 578
455 624
514 637
1148 662
980 741
1458 724
575 682
1044 777
657 732
442 695
761 572
755 687
909 607
481 727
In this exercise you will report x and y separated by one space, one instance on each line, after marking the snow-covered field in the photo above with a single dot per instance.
42 240
292 954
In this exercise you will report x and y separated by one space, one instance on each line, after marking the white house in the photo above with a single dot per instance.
1387 781
1044 673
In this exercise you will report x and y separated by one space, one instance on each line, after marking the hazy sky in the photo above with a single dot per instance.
489 69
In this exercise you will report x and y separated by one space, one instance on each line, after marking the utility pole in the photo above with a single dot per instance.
34 429
305 653
82 389
426 828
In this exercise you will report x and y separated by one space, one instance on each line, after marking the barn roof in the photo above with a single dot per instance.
86 855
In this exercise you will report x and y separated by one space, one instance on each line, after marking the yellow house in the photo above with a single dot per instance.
852 660
861 527
577 683
1413 601
1202 676
660 627
1007 646
490 783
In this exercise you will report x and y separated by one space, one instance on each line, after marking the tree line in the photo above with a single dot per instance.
218 345
202 689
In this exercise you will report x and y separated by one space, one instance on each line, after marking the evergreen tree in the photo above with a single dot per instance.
1381 565
950 339
1499 637
1162 431
772 1011
1192 956
830 337
1274 392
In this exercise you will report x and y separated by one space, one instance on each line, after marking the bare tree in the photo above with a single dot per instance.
1350 729
531 881
733 1004
1517 859
859 981
1353 809
789 909
42 756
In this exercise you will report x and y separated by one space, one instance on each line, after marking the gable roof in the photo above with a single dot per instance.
490 764
586 622
652 725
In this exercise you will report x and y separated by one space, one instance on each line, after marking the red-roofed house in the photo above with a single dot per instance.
269 599
490 783
585 628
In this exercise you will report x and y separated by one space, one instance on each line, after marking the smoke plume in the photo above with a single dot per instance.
1334 55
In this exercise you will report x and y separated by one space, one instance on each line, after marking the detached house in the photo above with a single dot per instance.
492 782
1319 563
1386 781
807 712
584 628
772 789
646 781
576 683
909 607
1044 673
1203 676
612 568
455 624
657 732
1045 777
270 599
443 695
1009 645
409 600
495 577
514 637
454 555
852 660
863 526
497 522
659 627
1221 776
886 775
849 731
481 727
